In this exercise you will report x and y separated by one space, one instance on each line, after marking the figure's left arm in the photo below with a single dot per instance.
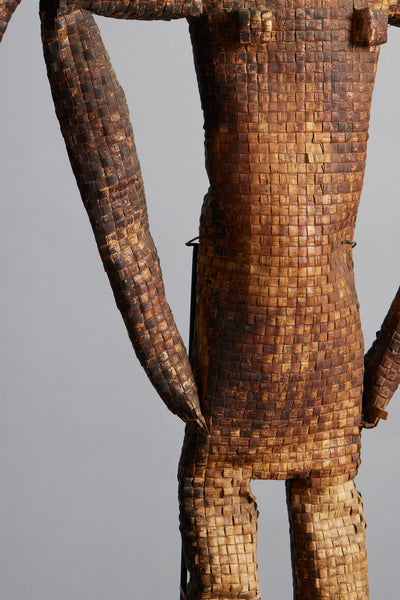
382 367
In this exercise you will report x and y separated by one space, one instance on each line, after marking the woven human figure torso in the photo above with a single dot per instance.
279 348
278 352
277 356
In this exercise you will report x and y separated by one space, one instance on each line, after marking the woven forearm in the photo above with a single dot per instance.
382 366
394 14
129 9
7 8
94 120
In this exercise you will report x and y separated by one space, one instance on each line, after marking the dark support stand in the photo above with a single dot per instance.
194 244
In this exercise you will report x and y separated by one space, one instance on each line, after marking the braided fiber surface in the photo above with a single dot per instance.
327 527
278 354
94 119
127 9
382 366
279 348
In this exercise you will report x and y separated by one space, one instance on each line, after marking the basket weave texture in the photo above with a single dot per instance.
278 358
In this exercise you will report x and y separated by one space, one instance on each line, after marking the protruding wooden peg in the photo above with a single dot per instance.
370 27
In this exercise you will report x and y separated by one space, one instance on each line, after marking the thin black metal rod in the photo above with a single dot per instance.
182 592
195 247
193 298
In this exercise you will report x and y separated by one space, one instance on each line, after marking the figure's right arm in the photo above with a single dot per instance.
94 119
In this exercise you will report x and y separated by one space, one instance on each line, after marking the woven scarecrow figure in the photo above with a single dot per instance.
278 361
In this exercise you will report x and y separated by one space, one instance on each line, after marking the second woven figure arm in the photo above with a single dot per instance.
94 120
120 9
382 367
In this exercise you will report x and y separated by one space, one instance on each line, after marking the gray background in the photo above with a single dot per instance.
88 453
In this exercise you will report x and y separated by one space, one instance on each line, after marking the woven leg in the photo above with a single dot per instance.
327 526
219 532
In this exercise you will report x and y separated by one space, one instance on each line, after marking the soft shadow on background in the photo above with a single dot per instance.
88 453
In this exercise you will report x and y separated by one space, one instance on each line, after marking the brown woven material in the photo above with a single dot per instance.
7 8
130 9
95 123
279 349
382 367
327 527
394 14
278 355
